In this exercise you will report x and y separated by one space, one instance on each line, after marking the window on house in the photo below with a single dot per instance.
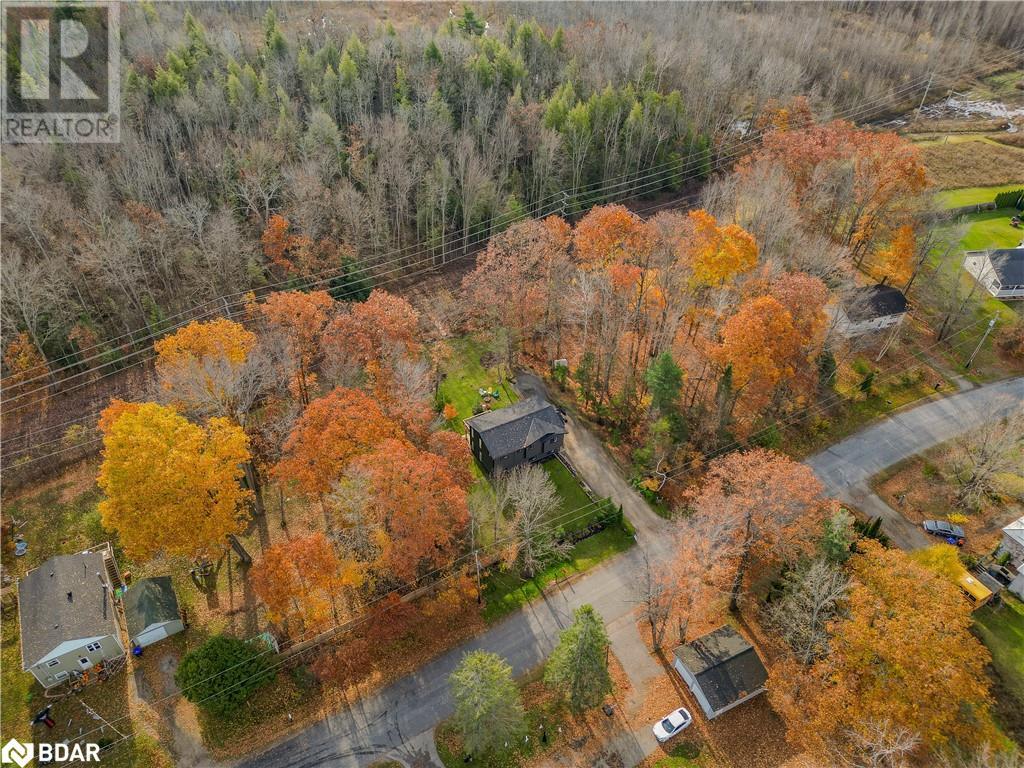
84 661
53 662
60 675
93 647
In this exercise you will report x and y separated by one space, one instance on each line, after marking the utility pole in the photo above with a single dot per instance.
925 96
988 330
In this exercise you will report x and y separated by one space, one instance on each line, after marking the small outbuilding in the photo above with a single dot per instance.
151 611
721 669
524 432
869 309
999 270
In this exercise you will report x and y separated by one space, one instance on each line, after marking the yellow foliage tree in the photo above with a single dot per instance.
895 262
718 254
172 486
220 338
903 661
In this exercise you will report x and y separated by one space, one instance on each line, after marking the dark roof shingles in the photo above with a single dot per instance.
511 429
874 301
725 665
46 615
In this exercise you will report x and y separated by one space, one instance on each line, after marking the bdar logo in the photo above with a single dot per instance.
16 752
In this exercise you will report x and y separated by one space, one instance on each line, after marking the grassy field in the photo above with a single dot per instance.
955 198
465 373
1002 630
951 165
506 591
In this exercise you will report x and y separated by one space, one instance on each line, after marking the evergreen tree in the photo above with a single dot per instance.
665 381
578 666
837 536
826 369
586 377
488 709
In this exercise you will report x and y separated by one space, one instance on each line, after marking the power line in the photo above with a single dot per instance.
666 169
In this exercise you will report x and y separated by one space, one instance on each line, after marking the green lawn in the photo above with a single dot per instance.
1002 629
956 198
505 591
574 498
685 754
465 375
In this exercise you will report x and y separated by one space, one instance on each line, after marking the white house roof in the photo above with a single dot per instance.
1015 531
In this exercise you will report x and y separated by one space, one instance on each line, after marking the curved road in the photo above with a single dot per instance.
398 719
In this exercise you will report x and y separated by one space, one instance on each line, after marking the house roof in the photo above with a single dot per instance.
148 602
1015 531
63 600
873 301
511 429
726 666
1007 264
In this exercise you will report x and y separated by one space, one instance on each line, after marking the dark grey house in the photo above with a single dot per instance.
721 669
527 431
68 618
151 611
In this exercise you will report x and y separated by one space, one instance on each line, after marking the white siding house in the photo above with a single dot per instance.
870 309
721 669
151 611
69 623
1000 271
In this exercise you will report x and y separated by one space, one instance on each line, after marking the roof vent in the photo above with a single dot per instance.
69 598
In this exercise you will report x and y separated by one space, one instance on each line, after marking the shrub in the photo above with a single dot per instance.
957 518
222 673
1011 199
1010 340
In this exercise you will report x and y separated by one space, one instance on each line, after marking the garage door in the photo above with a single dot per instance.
151 636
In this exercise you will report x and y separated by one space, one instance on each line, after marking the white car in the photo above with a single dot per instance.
672 724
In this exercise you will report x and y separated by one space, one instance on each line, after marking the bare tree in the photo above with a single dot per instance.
812 599
877 744
655 591
527 494
980 457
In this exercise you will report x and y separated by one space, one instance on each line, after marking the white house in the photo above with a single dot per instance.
869 309
1013 542
68 619
1000 271
721 669
151 611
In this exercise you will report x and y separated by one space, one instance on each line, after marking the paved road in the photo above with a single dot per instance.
398 717
847 467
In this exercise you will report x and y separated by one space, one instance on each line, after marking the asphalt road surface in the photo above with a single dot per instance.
396 719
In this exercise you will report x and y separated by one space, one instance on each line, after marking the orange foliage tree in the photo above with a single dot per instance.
611 234
300 318
333 430
902 660
895 262
23 361
763 346
374 329
857 185
416 503
298 580
766 505
203 356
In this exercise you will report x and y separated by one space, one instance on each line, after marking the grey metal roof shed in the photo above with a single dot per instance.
721 669
151 610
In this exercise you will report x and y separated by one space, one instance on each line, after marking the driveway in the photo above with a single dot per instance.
404 712
588 455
